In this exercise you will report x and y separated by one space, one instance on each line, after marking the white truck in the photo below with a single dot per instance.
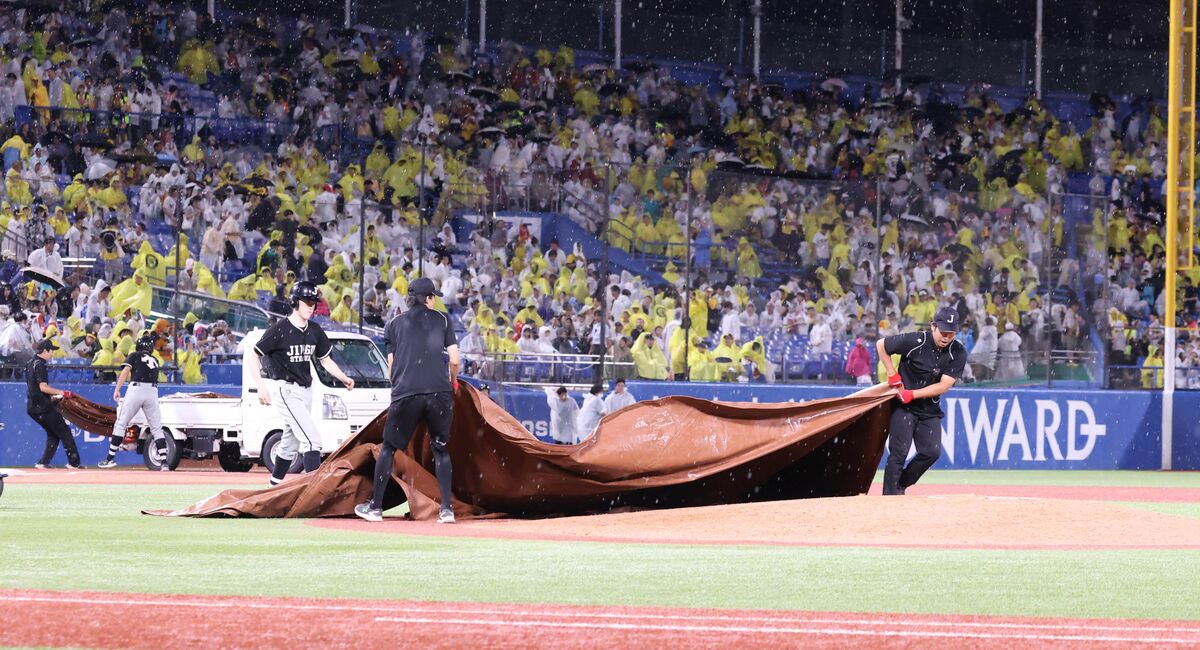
241 432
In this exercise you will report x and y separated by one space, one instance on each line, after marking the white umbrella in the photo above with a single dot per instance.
833 83
100 168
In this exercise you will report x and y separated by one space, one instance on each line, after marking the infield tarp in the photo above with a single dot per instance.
670 452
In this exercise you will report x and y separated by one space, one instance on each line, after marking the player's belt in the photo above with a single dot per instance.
293 383
141 383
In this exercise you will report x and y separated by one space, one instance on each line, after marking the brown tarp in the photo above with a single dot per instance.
670 452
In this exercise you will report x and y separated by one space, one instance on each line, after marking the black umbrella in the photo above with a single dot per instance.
39 274
54 136
256 181
506 106
483 93
146 158
519 129
345 63
954 159
457 76
611 88
85 41
95 141
640 66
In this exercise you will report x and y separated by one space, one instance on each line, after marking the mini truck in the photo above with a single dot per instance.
241 432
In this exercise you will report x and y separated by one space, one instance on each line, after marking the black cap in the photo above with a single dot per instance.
46 344
423 287
946 319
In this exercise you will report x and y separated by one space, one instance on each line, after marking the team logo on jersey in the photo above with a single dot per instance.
300 353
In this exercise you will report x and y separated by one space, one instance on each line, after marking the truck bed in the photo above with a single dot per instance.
183 411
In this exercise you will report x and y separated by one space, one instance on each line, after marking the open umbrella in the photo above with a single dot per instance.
506 106
483 93
490 130
344 64
519 129
611 89
95 141
85 41
457 75
256 181
54 136
639 66
99 168
39 274
834 84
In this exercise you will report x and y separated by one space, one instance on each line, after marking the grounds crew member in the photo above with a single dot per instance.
284 354
40 406
141 371
423 387
930 362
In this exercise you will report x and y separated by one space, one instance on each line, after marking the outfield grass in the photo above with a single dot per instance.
92 538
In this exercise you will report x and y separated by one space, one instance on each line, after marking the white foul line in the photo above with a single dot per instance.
784 618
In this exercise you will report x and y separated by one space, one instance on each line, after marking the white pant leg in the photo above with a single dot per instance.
300 433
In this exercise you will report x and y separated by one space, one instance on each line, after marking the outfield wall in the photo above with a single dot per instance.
983 429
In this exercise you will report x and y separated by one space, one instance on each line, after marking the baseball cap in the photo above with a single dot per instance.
946 319
424 287
46 344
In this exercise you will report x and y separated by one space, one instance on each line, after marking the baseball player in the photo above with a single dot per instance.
284 354
41 407
423 362
141 371
930 362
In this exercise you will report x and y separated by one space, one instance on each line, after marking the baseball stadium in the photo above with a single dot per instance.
584 323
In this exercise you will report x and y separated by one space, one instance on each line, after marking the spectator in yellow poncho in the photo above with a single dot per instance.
113 196
345 312
747 260
196 62
151 264
133 294
728 359
648 357
243 289
17 187
188 359
193 152
1152 368
755 352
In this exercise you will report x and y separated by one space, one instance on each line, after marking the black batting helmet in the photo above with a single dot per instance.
306 291
145 342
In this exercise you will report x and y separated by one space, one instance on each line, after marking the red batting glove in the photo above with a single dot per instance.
67 393
454 383
895 381
905 395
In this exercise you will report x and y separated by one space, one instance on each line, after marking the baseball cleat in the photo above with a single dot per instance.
365 511
446 517
42 466
106 464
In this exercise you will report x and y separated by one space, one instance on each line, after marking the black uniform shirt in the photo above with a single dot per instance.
35 374
143 368
287 351
416 340
922 363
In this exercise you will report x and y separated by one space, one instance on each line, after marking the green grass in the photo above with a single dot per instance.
92 538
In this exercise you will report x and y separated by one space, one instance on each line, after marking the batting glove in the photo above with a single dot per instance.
905 396
895 381
67 393
454 383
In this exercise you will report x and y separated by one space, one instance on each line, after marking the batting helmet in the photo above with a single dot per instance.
145 342
306 291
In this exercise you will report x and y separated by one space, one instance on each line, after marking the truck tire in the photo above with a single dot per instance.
268 454
153 455
231 459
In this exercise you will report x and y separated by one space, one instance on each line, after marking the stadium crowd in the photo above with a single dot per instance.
818 218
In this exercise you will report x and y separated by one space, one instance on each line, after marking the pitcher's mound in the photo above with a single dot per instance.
961 521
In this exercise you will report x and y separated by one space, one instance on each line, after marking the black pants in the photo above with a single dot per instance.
436 411
56 431
906 428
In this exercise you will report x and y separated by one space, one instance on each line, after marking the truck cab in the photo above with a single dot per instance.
337 412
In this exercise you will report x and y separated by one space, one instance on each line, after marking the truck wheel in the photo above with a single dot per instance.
155 453
231 459
268 454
